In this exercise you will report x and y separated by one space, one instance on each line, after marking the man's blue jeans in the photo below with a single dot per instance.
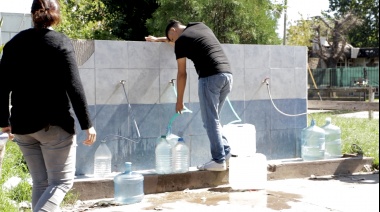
212 92
50 156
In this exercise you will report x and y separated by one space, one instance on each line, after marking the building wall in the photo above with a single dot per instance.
147 69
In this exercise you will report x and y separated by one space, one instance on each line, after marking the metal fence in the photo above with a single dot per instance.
345 77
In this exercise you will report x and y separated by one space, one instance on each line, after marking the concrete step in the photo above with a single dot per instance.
89 188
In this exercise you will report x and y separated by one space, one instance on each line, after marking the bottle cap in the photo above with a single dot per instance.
180 139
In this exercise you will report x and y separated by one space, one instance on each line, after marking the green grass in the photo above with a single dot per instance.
360 131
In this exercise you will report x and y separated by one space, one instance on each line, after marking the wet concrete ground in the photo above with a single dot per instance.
358 192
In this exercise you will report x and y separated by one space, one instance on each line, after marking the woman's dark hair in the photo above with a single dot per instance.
172 23
45 13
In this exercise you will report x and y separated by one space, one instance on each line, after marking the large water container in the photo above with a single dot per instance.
241 138
128 186
102 160
248 172
332 140
181 157
313 142
163 156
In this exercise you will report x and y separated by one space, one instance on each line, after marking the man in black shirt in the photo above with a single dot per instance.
197 42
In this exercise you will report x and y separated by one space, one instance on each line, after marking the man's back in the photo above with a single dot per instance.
199 44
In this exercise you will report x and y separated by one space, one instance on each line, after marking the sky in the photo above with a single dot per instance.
308 8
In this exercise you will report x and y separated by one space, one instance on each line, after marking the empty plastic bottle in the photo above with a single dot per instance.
128 186
313 142
102 161
181 157
332 140
163 156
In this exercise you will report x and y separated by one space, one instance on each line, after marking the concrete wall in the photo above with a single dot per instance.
12 24
147 69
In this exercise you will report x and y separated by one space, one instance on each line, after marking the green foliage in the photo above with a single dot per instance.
233 21
84 20
367 34
126 19
301 33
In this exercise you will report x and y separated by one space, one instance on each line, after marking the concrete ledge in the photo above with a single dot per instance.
89 188
296 168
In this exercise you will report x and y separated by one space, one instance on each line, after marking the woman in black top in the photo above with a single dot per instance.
43 80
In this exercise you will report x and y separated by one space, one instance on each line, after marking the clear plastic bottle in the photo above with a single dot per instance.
313 142
332 140
3 140
181 157
128 186
163 156
102 161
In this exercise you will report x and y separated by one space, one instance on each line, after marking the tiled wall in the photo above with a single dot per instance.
147 69
12 24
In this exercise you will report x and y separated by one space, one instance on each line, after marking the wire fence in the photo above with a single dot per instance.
345 77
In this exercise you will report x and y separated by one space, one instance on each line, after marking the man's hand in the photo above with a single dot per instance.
151 38
91 137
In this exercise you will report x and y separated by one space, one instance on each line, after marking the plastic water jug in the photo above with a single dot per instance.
102 161
163 156
241 138
128 186
332 140
313 142
248 172
181 157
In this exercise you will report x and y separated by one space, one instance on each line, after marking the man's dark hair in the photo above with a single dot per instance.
172 23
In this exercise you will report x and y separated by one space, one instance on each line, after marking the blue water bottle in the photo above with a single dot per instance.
332 140
128 186
313 142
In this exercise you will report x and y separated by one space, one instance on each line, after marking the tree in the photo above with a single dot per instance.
126 19
83 19
367 34
233 21
338 42
300 33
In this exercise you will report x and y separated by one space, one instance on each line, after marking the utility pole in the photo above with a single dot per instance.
284 36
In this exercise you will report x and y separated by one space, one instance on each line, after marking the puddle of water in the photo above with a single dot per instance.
225 196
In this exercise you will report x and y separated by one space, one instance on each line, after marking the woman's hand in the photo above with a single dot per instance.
91 137
8 130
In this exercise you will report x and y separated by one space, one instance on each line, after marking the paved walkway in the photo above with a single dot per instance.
358 192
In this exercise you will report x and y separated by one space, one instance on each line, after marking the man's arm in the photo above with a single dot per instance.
151 38
181 83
